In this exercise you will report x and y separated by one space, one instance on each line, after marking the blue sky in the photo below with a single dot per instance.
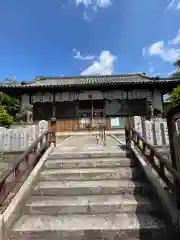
74 37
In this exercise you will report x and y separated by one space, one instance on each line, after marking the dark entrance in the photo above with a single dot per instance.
90 112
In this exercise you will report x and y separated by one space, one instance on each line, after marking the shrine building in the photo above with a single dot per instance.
74 102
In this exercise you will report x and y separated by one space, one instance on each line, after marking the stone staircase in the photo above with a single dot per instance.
100 195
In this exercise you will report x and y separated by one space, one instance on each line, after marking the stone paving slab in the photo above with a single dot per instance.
72 188
87 144
88 163
108 173
91 204
84 133
112 222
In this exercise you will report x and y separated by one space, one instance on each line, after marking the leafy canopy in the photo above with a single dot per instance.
175 96
9 106
5 118
11 103
177 64
176 74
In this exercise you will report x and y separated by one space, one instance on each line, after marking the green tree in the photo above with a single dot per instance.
12 104
9 105
177 64
177 73
175 96
5 118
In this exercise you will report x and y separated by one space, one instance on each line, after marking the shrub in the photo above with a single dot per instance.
5 118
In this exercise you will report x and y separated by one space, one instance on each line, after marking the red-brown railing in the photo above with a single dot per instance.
11 181
159 163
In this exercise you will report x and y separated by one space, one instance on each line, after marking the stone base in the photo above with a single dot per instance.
19 125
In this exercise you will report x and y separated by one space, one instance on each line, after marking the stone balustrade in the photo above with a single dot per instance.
19 139
155 131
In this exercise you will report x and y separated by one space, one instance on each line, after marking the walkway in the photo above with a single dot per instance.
84 144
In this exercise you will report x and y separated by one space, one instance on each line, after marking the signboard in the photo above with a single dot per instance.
114 122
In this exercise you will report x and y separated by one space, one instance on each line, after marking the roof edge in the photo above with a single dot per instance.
37 78
90 76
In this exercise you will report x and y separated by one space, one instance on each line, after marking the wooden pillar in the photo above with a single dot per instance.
53 119
77 114
54 110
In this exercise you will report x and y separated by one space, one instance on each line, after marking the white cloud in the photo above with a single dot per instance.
176 40
95 3
103 3
86 17
173 4
166 52
156 48
103 66
85 2
80 57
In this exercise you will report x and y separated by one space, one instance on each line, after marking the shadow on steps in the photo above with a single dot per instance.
152 225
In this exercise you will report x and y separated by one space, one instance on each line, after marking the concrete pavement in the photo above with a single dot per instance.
87 143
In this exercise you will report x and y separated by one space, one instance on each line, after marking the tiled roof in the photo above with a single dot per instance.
126 79
92 80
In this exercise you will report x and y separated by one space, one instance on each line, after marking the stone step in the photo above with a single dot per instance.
94 204
91 174
89 227
76 188
89 154
89 163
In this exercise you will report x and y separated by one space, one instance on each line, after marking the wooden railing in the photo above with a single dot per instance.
161 165
11 181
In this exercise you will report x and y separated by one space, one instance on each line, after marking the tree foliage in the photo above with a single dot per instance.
9 105
177 63
175 96
177 73
12 104
5 118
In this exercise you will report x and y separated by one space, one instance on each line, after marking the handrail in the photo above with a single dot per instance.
163 167
25 164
